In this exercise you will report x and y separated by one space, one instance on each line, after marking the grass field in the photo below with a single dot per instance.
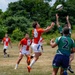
42 67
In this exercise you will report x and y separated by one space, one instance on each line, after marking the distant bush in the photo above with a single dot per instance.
48 37
17 34
3 30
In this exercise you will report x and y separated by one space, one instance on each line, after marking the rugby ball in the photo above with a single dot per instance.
59 7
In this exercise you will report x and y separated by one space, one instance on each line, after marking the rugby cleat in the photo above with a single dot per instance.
29 68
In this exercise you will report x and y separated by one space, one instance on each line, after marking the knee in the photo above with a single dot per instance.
53 73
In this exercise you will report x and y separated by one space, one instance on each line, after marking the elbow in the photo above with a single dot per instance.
73 50
52 46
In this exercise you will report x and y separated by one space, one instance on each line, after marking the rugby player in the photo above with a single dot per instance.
6 41
37 32
65 46
60 30
24 49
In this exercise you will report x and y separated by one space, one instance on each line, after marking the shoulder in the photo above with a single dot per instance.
58 38
23 39
4 39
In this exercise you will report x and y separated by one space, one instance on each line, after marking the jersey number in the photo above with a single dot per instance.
65 44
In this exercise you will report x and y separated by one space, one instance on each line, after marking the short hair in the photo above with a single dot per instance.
66 30
34 24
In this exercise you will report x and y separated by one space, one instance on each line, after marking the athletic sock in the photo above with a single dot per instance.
16 66
32 62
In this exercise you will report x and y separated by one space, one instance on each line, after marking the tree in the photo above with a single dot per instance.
3 30
17 34
17 22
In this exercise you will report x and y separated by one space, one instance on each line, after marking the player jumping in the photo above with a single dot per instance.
37 32
60 30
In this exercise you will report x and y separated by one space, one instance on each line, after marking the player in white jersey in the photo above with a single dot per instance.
24 50
6 41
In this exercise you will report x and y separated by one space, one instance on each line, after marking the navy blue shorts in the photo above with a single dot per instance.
60 61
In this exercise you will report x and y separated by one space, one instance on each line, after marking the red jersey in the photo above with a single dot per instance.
6 41
25 43
37 34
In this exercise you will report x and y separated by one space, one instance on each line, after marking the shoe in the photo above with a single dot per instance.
31 57
5 56
70 69
15 68
8 55
65 73
29 68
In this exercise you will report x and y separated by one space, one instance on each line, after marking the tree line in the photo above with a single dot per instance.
19 16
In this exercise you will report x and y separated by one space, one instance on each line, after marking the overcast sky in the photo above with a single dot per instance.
4 4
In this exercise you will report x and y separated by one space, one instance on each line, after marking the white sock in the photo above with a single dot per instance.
32 62
16 66
33 55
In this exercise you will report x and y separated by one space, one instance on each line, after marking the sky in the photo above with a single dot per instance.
4 4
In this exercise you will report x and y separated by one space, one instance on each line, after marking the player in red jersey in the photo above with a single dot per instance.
37 32
24 49
6 41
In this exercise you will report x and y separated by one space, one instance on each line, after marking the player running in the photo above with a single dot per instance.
24 49
37 32
65 46
60 30
6 41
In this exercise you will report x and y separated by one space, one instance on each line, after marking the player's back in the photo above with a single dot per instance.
65 44
37 34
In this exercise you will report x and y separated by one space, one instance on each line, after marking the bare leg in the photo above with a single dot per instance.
55 70
61 71
18 61
71 59
37 54
28 59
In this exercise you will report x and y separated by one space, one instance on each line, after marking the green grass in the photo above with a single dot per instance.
42 67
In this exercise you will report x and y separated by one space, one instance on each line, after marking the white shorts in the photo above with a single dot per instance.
40 44
36 47
5 47
24 52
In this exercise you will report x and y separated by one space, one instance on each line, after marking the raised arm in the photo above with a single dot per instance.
68 22
57 20
49 27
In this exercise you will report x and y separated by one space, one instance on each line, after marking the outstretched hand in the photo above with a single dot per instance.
52 24
52 40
